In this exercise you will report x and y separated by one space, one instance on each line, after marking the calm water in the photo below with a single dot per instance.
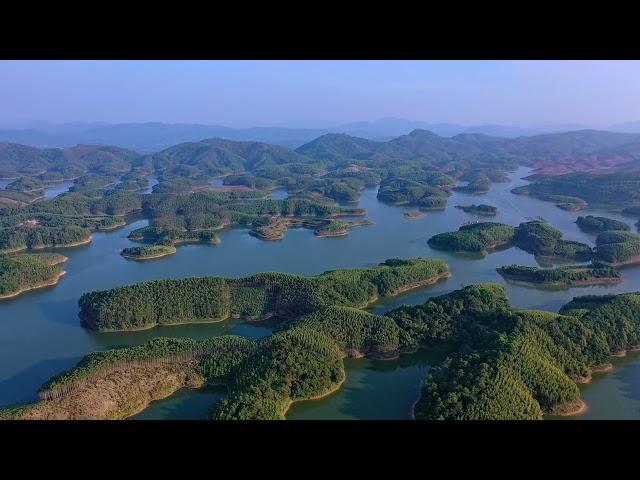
278 194
50 192
183 405
373 390
40 333
153 181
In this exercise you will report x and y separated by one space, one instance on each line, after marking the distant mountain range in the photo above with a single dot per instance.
556 152
156 136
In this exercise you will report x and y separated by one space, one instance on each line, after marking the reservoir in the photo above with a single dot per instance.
41 335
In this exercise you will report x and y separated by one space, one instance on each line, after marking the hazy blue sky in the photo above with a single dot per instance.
308 93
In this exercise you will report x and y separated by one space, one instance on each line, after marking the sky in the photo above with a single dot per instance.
320 93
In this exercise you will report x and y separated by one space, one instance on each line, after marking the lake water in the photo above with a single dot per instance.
278 194
153 181
50 191
40 333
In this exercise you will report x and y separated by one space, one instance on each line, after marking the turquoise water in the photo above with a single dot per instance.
40 333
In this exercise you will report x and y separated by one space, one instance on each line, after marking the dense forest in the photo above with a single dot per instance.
27 271
417 169
210 299
505 363
540 238
618 248
67 220
481 210
513 364
148 251
573 275
399 191
476 237
28 236
614 190
600 224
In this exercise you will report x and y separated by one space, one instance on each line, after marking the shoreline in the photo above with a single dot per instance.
569 409
341 233
484 252
151 257
49 283
134 412
421 283
580 283
630 261
67 245
316 397
111 227
89 324
602 368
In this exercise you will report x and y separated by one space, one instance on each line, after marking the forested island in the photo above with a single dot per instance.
214 299
481 210
338 228
565 276
322 227
540 238
148 252
196 216
24 272
419 169
32 236
413 193
173 236
618 248
536 236
506 363
600 224
479 237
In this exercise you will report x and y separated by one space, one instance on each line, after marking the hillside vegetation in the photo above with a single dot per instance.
210 299
506 363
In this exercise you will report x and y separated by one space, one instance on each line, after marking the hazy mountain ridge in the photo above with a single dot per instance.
424 144
217 156
152 137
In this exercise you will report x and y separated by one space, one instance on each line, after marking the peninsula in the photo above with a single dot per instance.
566 276
24 272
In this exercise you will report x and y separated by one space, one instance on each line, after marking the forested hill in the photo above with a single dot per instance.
339 147
461 155
425 144
217 156
415 169
19 160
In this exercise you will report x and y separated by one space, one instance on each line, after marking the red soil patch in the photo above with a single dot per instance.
585 163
